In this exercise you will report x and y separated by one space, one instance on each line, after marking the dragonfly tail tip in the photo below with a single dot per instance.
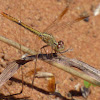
2 13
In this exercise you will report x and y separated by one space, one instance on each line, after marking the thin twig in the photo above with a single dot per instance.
17 45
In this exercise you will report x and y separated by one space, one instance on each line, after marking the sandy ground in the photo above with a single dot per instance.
83 37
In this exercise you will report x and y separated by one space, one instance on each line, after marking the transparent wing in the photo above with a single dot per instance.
56 26
8 72
64 25
56 21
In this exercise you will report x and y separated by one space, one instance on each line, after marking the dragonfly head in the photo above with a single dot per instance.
60 46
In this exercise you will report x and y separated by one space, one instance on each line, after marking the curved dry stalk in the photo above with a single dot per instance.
66 64
63 63
17 45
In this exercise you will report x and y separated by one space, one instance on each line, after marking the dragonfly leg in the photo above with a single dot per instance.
67 50
44 48
46 52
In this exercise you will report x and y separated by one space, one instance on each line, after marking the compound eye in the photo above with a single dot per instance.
60 43
59 46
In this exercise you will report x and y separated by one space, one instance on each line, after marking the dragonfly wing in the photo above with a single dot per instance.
56 20
64 25
10 70
60 26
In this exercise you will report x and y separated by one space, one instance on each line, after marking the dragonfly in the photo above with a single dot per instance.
49 39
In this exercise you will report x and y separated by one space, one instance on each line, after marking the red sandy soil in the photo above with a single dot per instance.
83 37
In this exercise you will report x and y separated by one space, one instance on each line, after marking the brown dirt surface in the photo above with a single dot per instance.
83 37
